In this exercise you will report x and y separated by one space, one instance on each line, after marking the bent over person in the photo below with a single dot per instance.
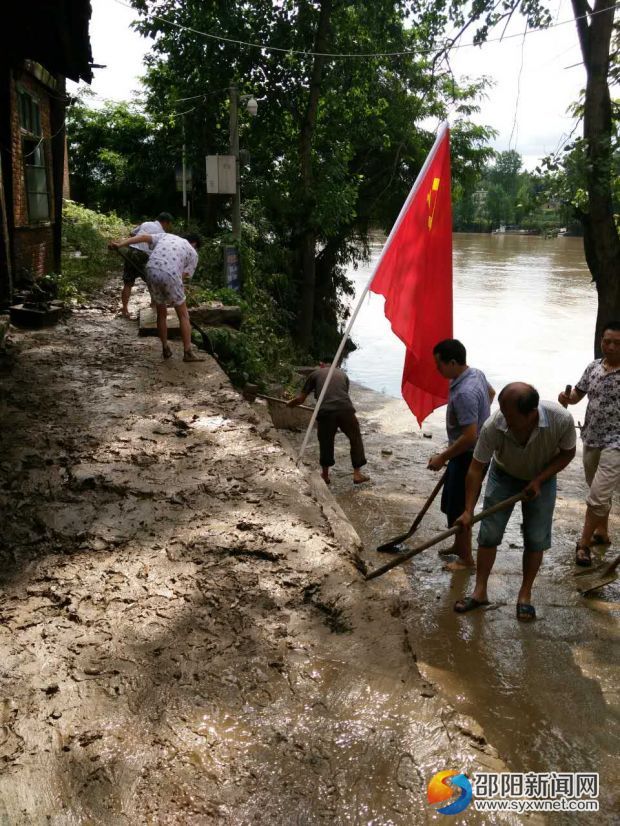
336 413
601 440
527 442
172 261
136 256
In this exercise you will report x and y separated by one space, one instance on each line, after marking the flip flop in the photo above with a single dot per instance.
525 612
362 480
462 606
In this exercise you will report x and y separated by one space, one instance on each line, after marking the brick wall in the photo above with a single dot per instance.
33 247
33 244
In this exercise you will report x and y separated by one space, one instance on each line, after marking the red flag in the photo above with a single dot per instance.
415 276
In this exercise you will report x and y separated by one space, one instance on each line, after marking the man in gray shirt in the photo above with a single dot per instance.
336 413
468 409
527 442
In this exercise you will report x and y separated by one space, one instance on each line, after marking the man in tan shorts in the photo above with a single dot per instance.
601 439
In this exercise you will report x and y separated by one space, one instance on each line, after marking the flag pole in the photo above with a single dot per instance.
386 246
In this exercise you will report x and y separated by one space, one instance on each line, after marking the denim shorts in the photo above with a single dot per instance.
537 513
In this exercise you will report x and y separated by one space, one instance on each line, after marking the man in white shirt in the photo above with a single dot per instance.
527 442
137 255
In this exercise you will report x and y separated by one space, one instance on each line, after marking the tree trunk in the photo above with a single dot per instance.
307 235
601 241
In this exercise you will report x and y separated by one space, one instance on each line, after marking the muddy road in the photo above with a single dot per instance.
184 636
546 694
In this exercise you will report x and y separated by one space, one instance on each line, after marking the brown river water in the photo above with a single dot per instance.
546 694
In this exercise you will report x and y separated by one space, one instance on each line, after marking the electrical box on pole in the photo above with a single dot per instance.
221 175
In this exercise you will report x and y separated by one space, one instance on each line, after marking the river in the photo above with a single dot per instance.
524 307
546 694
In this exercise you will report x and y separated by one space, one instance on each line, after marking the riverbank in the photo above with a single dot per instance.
185 636
546 694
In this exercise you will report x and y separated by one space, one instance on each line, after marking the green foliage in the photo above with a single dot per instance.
120 159
85 258
262 351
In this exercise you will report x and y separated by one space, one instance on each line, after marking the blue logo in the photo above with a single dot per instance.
444 785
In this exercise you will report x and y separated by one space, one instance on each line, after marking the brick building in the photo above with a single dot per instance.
42 42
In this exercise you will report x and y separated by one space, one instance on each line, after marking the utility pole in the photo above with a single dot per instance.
234 150
185 198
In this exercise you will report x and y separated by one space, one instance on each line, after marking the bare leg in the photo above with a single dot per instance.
162 329
325 474
531 564
594 524
186 329
484 566
462 548
186 333
125 296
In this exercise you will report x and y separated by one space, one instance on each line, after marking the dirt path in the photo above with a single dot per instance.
184 637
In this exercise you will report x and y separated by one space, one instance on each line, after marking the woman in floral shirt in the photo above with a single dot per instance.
601 439
172 261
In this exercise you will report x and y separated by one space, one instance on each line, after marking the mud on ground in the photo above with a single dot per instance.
184 635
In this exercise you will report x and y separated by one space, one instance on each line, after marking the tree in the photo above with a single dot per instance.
119 159
595 27
337 143
596 30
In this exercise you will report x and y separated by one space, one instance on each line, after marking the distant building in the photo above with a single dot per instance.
41 44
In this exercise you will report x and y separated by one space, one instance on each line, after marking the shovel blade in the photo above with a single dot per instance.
603 574
393 546
585 586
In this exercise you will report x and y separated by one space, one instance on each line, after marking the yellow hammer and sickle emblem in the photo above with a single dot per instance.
430 201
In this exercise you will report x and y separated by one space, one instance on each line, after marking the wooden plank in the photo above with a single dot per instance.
147 323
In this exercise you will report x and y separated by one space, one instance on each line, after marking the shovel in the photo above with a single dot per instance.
507 503
206 341
603 574
391 545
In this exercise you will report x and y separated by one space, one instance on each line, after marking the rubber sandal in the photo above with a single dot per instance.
525 612
583 556
362 480
599 539
189 356
166 353
462 606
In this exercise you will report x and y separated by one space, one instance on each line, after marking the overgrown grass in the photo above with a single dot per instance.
262 351
86 262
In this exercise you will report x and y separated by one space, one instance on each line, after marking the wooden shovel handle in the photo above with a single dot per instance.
567 392
506 503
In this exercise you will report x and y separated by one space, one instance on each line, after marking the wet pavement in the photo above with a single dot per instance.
547 693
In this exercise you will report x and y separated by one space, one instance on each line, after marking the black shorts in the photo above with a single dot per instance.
135 264
453 494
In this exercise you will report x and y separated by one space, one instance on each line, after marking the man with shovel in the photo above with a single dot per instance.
468 409
336 413
527 442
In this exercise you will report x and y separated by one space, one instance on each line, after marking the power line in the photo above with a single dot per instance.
351 55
